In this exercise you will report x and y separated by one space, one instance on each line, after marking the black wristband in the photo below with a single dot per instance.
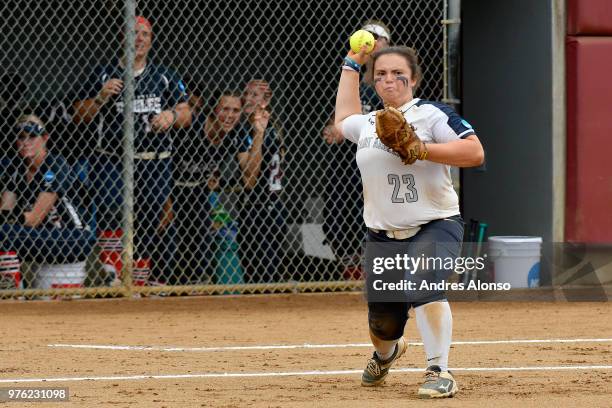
351 63
22 219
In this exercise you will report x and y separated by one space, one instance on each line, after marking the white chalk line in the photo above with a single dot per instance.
286 374
311 346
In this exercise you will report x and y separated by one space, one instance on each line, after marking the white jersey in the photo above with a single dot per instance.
398 196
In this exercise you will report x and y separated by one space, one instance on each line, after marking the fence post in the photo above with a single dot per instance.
128 146
451 32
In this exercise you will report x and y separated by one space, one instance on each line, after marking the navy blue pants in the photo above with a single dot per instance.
437 239
152 186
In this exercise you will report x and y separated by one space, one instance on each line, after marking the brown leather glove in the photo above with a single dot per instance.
395 132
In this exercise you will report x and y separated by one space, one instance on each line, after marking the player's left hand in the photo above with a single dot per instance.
395 132
163 121
259 119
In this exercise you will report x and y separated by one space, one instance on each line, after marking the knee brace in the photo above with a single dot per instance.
387 326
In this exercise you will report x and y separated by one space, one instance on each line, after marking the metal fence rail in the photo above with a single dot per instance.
150 180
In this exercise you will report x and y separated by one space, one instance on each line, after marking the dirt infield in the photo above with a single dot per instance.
284 377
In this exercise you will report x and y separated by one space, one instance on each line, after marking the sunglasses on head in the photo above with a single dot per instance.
29 130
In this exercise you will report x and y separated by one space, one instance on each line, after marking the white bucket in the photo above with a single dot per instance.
516 260
60 276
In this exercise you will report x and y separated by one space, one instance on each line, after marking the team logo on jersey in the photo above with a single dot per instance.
143 104
181 86
49 176
466 124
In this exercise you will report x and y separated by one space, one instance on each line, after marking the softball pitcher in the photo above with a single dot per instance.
404 154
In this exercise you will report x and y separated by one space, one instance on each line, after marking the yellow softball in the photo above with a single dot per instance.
361 38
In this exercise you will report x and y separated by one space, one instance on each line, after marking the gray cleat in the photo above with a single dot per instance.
438 384
376 370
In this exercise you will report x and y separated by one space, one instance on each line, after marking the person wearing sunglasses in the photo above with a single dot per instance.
39 214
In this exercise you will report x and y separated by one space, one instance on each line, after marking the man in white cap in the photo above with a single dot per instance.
380 31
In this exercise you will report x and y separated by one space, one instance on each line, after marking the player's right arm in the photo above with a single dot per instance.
42 207
86 110
347 97
96 92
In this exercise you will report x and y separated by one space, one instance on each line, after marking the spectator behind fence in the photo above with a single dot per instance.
200 152
367 94
160 103
41 217
262 217
343 204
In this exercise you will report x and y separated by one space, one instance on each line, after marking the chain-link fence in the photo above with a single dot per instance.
227 178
